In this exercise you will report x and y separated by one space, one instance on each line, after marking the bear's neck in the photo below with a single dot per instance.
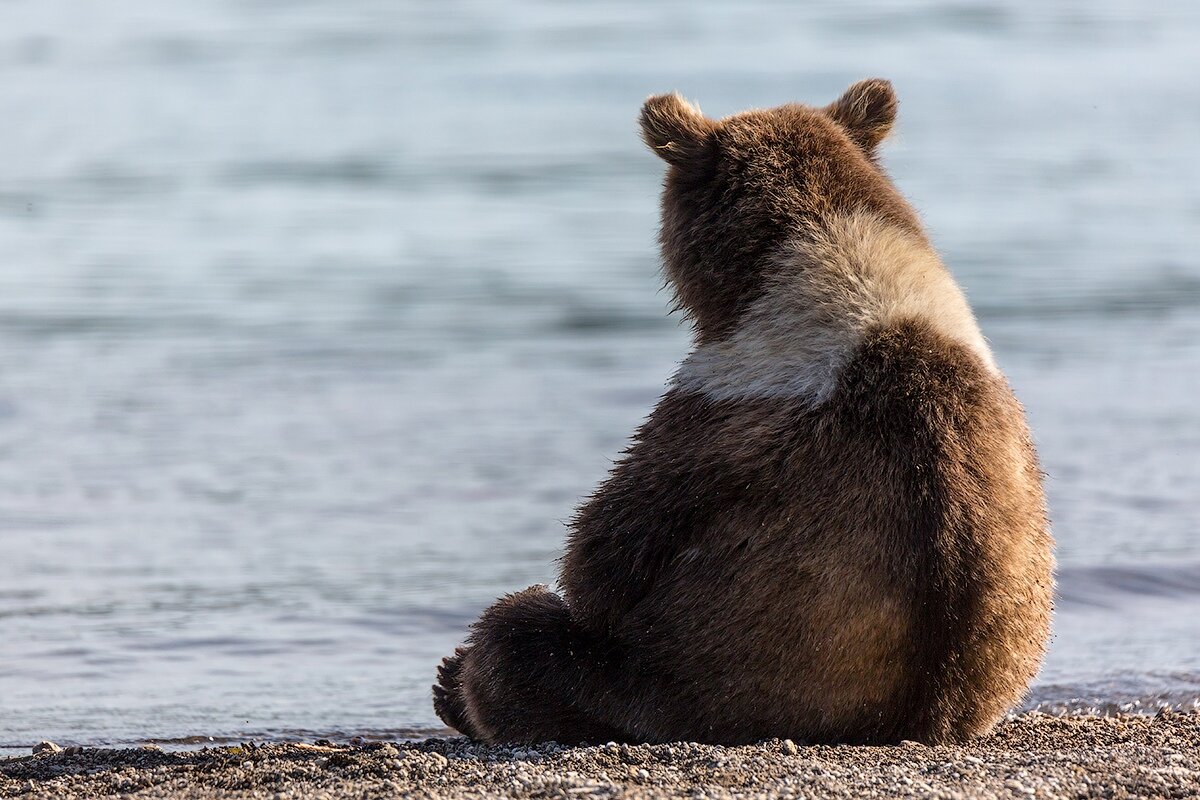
830 285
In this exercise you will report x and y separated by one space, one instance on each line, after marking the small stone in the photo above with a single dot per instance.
73 750
46 746
789 747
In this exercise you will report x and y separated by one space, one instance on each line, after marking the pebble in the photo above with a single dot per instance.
1025 757
46 746
789 747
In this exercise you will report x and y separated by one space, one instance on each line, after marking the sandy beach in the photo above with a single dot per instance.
1033 755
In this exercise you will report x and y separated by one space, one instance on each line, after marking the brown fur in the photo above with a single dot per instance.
865 564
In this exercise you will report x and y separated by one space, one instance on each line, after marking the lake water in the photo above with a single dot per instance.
317 319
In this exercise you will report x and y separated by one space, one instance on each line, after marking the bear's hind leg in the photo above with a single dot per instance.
448 700
530 674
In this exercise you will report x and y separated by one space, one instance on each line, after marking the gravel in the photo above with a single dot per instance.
1033 755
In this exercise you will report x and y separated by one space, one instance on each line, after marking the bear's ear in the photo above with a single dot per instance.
675 129
867 111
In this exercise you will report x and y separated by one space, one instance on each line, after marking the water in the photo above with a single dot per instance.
317 319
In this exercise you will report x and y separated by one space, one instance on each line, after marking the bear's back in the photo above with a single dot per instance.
869 569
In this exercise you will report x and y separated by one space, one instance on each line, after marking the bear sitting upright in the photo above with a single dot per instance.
832 526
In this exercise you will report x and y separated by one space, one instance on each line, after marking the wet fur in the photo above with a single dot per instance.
831 527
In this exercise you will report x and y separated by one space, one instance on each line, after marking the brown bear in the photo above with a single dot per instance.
832 526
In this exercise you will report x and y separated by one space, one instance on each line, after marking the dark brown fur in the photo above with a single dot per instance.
870 569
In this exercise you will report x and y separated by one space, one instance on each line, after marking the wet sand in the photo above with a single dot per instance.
1033 755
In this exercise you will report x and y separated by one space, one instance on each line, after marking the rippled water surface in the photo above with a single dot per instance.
317 319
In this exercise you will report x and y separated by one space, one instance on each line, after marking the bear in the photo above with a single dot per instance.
832 526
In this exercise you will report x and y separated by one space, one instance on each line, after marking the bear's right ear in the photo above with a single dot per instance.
867 110
676 130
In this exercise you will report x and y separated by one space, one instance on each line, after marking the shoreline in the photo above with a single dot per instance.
1031 755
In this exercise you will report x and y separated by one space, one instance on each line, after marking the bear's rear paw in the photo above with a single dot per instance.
448 699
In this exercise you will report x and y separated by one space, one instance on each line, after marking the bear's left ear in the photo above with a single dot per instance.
867 111
675 130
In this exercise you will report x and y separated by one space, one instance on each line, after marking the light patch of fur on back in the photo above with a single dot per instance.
831 286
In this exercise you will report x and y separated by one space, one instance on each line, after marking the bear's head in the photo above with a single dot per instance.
738 188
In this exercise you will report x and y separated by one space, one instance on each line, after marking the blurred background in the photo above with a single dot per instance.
317 319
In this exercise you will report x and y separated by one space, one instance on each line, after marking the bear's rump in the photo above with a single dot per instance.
795 616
